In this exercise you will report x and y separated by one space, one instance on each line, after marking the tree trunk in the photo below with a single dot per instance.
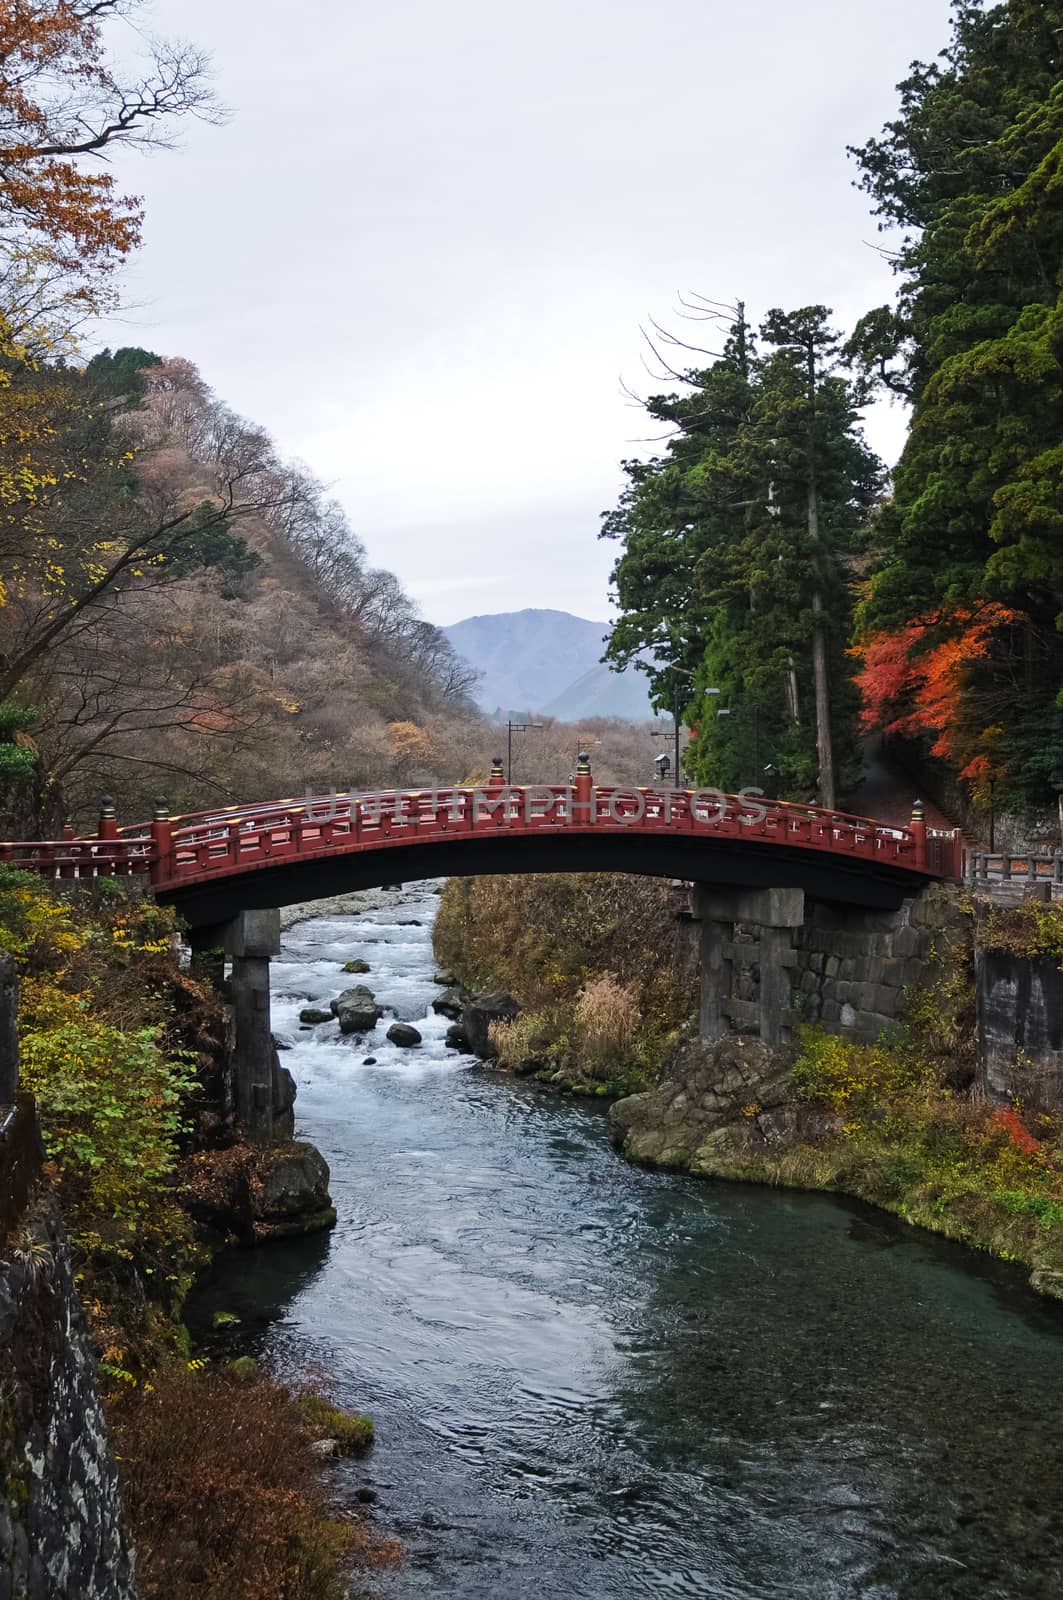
793 699
820 676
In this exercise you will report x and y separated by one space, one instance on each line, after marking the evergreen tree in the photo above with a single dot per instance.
727 573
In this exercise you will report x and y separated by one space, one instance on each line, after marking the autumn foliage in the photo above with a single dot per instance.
63 104
226 1495
1008 1118
913 682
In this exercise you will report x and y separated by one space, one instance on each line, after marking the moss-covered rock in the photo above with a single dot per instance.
352 1434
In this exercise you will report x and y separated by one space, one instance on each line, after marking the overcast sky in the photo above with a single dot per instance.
420 250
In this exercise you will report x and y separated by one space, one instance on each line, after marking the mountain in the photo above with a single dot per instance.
549 662
601 693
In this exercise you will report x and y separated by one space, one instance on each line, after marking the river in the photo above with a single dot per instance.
592 1381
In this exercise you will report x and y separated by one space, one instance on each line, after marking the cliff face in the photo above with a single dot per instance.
63 1534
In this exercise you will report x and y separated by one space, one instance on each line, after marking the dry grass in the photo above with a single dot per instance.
226 1496
607 1019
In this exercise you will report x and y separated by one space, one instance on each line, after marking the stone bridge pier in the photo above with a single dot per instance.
773 958
250 941
768 919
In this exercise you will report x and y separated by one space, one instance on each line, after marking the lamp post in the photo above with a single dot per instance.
511 729
676 673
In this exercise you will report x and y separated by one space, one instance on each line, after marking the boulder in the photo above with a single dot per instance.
289 1191
401 1033
445 980
451 1003
478 1015
357 1010
711 1098
283 1097
356 966
312 1015
455 1038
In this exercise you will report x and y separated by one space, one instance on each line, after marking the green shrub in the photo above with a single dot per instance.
110 1106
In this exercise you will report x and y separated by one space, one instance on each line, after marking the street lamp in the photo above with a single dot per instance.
511 729
681 671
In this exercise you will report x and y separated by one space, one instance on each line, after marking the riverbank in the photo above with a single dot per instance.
872 1122
601 976
223 1471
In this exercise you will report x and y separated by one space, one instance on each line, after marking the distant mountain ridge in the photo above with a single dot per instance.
546 662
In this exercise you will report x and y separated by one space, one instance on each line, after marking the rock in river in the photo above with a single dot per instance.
289 1191
401 1033
479 1013
357 1010
312 1015
451 1003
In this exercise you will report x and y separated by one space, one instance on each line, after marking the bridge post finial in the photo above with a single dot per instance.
107 827
917 829
161 840
497 780
584 808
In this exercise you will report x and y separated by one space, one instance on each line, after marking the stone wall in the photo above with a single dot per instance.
63 1535
1020 1028
854 967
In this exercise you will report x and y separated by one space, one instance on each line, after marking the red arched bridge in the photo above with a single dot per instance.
213 865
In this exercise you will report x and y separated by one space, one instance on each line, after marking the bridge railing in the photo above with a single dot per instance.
221 843
205 845
79 858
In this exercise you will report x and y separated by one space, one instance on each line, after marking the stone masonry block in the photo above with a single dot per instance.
254 934
886 1001
909 942
765 908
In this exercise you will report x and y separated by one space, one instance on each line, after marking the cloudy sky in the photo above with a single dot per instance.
420 250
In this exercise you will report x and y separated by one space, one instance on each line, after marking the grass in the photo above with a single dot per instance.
353 1434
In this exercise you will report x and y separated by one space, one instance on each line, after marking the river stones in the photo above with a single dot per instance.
402 1034
356 966
313 1015
478 1015
451 1003
455 1037
356 1010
